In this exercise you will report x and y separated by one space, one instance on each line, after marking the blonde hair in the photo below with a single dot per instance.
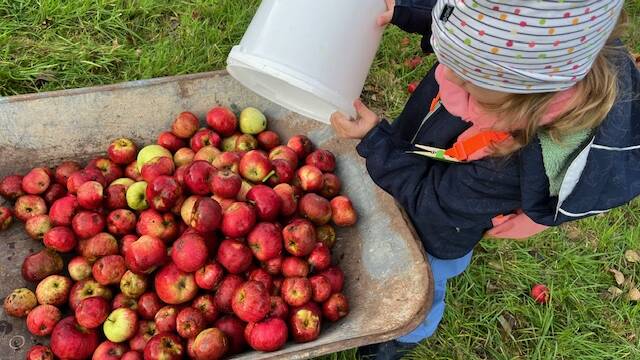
595 96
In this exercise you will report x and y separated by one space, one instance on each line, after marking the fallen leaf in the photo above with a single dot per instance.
632 256
506 326
491 287
634 294
615 292
618 276
115 44
629 283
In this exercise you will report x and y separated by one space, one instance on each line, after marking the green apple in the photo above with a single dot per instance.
121 325
229 143
137 196
150 152
123 181
252 121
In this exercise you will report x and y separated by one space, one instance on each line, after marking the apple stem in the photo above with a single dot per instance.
273 172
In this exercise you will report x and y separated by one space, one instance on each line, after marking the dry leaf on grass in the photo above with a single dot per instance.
634 295
614 292
618 276
632 256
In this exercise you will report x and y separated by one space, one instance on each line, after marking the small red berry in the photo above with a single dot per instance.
412 87
540 293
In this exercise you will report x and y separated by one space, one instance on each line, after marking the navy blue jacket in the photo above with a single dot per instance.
451 205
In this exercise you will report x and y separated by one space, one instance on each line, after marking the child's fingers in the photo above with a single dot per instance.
363 111
385 18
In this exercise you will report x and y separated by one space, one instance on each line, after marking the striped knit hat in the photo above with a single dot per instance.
532 46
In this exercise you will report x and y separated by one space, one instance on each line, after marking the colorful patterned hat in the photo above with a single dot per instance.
522 47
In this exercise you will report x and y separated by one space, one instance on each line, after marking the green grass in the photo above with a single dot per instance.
55 44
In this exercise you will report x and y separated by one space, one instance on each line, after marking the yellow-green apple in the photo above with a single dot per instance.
137 197
120 325
79 268
133 285
252 121
229 143
150 152
53 290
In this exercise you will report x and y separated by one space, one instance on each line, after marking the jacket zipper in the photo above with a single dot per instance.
424 121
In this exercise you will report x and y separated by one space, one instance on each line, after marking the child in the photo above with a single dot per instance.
540 117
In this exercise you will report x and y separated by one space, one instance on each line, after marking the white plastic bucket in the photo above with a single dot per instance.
310 56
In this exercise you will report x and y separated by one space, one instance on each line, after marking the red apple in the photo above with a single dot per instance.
63 210
255 166
92 312
35 227
343 213
80 177
238 220
207 153
330 185
268 139
294 267
321 288
277 286
121 222
11 187
201 213
222 120
288 199
233 328
283 152
40 352
204 137
305 325
335 277
165 319
273 266
148 305
540 293
227 161
108 350
267 335
226 184
161 226
283 172
299 237
6 218
226 290
183 156
108 168
146 330
90 195
158 166
301 145
133 285
322 159
336 307
98 246
197 177
53 290
116 197
315 208
206 304
108 270
235 256
145 255
210 344
296 291
189 322
189 252
320 257
279 308
42 319
122 301
53 193
265 241
125 244
262 276
163 192
132 355
41 264
244 189
224 203
326 234
60 238
20 302
64 170
266 201
28 206
87 224
122 151
132 172
251 302
174 286
170 142
209 276
84 289
36 181
185 125
164 346
71 341
310 178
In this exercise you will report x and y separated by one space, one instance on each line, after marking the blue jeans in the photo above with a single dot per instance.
442 271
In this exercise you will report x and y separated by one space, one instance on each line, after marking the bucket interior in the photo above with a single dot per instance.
283 92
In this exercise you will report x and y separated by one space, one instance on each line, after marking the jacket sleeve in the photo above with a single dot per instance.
451 205
414 16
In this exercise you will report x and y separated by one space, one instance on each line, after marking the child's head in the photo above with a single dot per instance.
513 56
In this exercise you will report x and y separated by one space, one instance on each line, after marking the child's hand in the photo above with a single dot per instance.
348 128
386 16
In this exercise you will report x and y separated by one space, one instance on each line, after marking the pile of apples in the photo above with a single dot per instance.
205 243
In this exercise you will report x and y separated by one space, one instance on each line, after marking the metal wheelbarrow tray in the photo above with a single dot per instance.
387 278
